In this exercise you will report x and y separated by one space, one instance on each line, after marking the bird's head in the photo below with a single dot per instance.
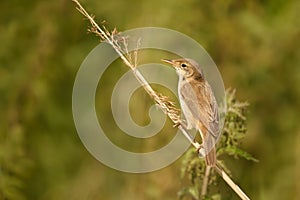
186 67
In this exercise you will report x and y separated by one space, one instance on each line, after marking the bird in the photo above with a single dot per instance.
198 104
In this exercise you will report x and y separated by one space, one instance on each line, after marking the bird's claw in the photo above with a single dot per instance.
201 150
177 124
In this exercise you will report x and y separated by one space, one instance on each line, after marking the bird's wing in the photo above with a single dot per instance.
203 106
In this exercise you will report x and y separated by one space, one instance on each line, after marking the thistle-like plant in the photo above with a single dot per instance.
194 169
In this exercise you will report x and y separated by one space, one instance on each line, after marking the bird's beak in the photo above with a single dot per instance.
168 61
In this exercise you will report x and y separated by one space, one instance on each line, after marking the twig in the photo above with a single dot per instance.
163 102
205 181
230 182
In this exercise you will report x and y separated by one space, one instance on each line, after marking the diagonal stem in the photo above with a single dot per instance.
230 182
161 101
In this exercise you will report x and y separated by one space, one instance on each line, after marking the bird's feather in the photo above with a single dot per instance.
203 106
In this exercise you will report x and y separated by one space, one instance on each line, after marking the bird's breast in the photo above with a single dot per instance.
185 108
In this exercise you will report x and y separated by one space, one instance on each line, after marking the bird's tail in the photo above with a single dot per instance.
210 157
210 150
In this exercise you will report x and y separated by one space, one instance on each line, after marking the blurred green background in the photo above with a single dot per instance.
42 44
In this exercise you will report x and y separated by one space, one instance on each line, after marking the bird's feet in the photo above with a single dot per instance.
182 123
201 150
177 124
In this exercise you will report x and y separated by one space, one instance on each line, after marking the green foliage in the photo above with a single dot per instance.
234 130
193 169
15 165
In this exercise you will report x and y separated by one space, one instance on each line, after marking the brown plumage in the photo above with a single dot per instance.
198 104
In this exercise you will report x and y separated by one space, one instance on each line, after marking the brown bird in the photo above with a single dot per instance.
198 104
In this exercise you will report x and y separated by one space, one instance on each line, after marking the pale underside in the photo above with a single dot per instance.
199 111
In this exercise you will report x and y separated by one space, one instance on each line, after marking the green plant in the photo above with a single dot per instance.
194 169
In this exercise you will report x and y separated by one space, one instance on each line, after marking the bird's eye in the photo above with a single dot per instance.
183 65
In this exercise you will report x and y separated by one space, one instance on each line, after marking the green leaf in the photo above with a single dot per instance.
189 191
235 151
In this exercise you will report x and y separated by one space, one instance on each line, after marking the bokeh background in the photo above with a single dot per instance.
42 44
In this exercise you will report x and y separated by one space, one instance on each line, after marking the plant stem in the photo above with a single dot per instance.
165 105
205 181
230 182
161 101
